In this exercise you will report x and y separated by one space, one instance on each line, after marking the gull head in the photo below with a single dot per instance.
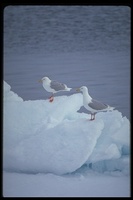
44 80
82 89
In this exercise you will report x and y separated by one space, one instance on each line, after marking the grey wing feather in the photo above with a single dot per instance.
97 105
57 86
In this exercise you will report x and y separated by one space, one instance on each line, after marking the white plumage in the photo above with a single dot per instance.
53 86
91 104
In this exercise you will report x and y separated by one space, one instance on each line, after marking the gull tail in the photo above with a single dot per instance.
67 89
111 108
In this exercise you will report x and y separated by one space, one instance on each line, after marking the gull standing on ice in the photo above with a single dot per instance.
91 104
53 86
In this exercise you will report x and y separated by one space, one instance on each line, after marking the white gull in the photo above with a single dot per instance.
91 104
53 87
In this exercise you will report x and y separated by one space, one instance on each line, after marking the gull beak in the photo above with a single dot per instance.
40 81
78 90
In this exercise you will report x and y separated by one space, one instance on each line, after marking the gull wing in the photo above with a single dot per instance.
57 86
97 105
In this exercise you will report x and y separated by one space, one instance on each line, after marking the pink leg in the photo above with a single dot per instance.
51 98
92 116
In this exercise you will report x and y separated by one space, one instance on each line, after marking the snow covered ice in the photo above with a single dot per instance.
41 137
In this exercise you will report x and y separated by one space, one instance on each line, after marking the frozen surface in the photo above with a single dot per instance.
50 185
58 137
43 139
